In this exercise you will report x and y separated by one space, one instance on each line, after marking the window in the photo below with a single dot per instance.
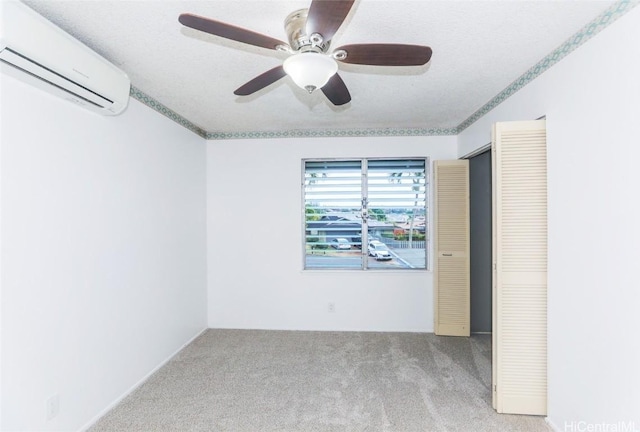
365 214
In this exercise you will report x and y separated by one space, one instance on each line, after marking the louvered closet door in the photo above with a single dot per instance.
451 243
520 267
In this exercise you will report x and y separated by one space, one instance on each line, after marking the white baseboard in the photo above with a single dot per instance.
138 384
325 329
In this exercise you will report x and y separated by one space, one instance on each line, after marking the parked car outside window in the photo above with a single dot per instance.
340 243
379 251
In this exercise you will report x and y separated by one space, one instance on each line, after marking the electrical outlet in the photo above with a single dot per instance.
53 407
331 308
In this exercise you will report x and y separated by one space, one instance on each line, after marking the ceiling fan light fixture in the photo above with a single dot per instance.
310 70
310 32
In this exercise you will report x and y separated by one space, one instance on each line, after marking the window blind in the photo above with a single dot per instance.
348 204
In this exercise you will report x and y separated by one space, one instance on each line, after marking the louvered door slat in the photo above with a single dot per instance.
520 256
451 240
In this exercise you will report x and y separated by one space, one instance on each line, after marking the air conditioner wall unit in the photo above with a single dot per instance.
38 52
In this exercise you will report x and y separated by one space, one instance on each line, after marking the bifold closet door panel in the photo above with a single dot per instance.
451 244
520 267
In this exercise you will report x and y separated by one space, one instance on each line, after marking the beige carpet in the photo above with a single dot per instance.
250 380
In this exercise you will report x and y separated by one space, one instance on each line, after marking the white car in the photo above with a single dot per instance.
379 251
340 243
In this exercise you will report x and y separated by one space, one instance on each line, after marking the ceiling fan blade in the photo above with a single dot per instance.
326 16
261 81
336 91
229 31
386 54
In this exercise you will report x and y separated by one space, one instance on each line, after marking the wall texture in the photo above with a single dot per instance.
103 253
591 100
255 242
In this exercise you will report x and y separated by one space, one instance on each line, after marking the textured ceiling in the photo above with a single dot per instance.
479 49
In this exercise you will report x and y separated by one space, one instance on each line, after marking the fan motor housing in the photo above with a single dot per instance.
295 27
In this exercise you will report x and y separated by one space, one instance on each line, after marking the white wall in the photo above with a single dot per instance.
592 103
103 253
255 242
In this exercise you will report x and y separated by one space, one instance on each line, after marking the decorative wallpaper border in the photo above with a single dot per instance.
162 109
333 133
587 32
598 24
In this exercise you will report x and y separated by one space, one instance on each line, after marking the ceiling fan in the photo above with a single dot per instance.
311 65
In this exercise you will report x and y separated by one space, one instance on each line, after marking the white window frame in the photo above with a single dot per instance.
364 192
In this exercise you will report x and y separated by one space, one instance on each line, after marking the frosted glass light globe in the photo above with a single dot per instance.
310 71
